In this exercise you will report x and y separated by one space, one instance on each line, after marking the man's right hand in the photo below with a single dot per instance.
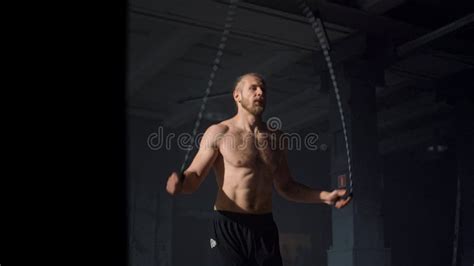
174 186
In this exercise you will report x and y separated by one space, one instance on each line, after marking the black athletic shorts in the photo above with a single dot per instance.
238 239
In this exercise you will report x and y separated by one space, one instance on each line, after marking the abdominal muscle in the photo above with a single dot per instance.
243 189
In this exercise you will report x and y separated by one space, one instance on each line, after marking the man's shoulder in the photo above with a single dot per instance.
218 128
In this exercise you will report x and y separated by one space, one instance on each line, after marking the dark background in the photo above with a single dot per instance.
86 156
419 86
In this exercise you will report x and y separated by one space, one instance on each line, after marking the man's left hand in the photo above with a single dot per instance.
335 198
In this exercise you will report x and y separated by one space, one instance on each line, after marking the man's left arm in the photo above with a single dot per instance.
292 190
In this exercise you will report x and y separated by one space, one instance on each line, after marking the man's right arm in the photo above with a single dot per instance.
201 164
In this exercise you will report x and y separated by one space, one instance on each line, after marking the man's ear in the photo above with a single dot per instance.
236 95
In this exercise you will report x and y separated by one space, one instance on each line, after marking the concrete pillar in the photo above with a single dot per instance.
465 173
357 230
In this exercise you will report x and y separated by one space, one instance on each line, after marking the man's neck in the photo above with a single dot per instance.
248 122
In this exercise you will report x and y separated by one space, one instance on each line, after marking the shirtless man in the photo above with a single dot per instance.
248 159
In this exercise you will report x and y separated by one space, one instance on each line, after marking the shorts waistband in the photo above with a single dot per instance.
249 219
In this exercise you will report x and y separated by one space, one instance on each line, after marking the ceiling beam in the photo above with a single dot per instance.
291 102
348 17
429 37
341 51
301 109
363 21
210 17
279 61
405 82
379 6
274 64
309 119
273 26
144 113
412 110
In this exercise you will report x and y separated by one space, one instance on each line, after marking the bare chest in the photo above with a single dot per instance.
260 152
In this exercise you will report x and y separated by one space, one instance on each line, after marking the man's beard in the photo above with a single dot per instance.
252 108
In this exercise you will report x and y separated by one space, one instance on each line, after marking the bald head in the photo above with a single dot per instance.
238 82
249 93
